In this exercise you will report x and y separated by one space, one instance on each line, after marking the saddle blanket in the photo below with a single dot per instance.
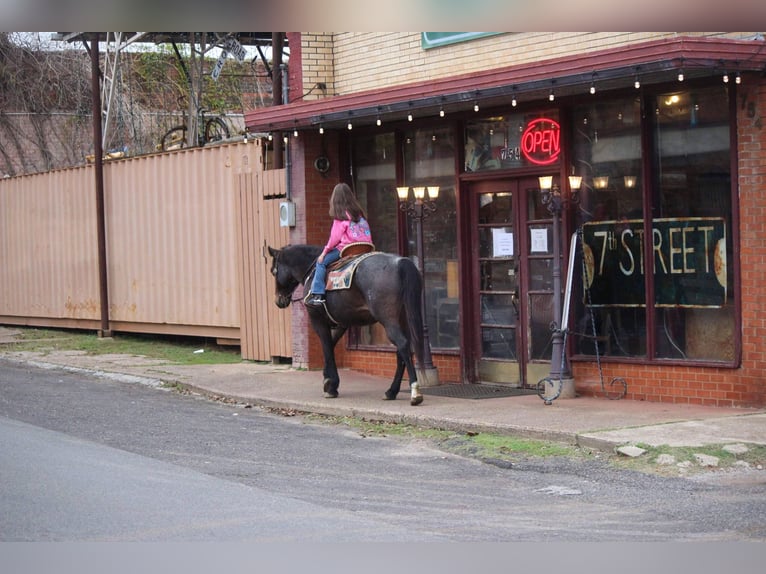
341 273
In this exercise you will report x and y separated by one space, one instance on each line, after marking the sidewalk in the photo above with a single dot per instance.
593 422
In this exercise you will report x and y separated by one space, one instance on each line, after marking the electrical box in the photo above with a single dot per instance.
287 214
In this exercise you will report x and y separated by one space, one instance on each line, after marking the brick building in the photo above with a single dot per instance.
664 135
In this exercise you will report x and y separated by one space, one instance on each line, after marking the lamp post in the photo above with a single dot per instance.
419 208
554 200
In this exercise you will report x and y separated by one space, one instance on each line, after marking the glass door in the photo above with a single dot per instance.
496 286
512 297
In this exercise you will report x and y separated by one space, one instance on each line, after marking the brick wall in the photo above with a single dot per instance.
351 62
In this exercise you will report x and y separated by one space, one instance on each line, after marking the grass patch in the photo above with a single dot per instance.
173 349
485 446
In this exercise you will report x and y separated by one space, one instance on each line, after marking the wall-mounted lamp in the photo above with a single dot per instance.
630 181
601 182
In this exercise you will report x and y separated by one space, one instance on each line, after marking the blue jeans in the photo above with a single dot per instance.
318 284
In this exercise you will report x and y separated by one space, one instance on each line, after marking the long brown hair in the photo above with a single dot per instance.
343 203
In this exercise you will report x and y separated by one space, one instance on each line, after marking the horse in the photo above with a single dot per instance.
386 289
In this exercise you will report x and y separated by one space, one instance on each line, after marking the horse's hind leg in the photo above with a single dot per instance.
403 359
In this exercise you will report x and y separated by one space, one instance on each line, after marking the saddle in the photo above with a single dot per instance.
341 272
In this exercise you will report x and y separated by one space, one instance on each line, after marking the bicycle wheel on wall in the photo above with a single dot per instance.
215 130
174 138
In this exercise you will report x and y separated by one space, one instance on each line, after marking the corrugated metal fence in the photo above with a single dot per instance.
186 236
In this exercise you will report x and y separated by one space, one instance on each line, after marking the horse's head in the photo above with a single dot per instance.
284 277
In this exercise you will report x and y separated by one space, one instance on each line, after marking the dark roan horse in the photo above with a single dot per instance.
386 289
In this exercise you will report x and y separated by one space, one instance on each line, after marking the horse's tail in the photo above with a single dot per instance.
411 287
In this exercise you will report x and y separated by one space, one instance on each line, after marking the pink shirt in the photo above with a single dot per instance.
345 231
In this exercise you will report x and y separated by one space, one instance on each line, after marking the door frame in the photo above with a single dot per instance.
529 371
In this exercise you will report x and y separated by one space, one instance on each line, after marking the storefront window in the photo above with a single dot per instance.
689 228
512 141
692 238
429 160
374 161
607 154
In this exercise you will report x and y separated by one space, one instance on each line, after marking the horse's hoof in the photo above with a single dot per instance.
416 397
330 395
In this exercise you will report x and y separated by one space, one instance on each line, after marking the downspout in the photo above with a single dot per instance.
288 161
105 331
276 92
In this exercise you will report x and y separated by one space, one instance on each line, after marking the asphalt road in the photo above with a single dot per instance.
90 459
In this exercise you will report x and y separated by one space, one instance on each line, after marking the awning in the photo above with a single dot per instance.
651 62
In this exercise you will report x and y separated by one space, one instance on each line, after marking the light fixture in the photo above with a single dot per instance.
737 79
546 182
593 83
402 192
476 106
441 112
295 133
321 130
377 121
575 181
601 182
681 75
726 77
419 192
513 101
350 126
630 181
271 137
551 96
433 191
409 117
637 82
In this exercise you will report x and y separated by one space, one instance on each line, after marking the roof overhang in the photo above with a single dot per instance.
653 62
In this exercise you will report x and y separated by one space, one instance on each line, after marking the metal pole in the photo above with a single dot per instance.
557 343
418 214
99 175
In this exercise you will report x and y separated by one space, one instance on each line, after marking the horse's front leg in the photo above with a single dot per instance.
396 384
328 338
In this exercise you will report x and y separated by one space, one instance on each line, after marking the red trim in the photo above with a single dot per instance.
684 52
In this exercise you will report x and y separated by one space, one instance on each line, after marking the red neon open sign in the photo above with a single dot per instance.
541 141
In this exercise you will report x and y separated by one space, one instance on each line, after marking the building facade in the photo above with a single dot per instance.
623 172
